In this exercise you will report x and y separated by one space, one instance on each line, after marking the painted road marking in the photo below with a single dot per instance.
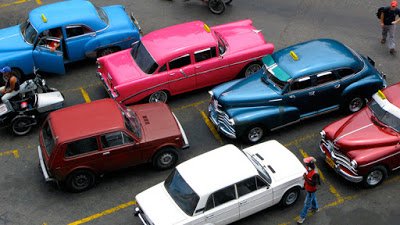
210 126
104 213
85 95
39 2
14 152
13 3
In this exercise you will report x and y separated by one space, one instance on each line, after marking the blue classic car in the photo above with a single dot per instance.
64 32
298 82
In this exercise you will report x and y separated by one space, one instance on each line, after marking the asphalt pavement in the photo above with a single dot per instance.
26 199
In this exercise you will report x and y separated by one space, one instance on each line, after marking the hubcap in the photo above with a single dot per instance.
166 159
356 104
291 198
255 134
159 96
216 5
252 69
81 181
374 177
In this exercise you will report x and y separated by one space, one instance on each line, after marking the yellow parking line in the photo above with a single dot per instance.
297 141
85 95
195 104
211 127
105 212
13 3
14 152
39 2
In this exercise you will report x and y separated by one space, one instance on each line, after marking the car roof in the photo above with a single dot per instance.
174 40
216 169
86 120
66 13
316 56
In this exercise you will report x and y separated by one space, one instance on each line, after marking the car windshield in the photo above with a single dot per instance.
221 43
103 16
48 138
28 32
273 79
181 192
384 116
260 168
143 58
131 121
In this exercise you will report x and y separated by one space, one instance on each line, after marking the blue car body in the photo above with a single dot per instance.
298 82
85 31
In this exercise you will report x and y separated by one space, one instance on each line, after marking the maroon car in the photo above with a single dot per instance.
79 143
365 147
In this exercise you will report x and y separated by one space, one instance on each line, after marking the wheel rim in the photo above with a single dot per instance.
252 69
166 159
216 6
374 177
81 181
291 198
356 104
21 127
159 96
255 134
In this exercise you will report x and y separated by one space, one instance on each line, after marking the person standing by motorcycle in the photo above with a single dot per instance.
11 87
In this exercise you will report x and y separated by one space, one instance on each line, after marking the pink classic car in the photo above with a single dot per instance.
182 58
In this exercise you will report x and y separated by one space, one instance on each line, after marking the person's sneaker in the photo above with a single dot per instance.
314 210
383 41
392 51
301 220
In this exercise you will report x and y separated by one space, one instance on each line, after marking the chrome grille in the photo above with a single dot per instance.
221 119
338 157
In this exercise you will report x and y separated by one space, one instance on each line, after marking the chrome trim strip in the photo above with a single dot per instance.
290 123
46 175
9 36
379 160
351 132
185 139
275 100
142 219
396 168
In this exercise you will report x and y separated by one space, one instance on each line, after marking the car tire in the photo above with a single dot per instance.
106 51
251 68
354 103
375 176
159 96
254 134
290 197
19 126
216 6
165 158
80 180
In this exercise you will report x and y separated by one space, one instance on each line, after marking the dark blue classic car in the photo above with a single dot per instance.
298 82
65 32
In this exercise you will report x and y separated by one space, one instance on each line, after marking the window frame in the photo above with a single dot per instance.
326 73
180 57
77 36
81 154
304 89
213 197
210 49
122 133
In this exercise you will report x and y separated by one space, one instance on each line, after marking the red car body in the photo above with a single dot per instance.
102 136
365 147
182 58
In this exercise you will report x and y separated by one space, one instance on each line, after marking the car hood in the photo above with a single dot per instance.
361 130
159 207
122 68
250 91
11 40
281 164
157 121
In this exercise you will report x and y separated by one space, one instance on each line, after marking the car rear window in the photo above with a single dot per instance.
48 138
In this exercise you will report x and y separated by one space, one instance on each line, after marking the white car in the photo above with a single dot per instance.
223 186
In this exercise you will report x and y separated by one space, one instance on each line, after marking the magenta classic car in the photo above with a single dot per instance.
365 147
182 58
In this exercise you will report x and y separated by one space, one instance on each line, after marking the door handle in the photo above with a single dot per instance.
197 67
292 96
243 202
172 74
106 153
210 216
337 86
183 72
312 93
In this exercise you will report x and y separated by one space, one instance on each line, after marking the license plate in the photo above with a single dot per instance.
330 162
3 109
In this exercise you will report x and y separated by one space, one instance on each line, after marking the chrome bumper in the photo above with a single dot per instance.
138 212
185 139
212 114
99 75
46 175
338 170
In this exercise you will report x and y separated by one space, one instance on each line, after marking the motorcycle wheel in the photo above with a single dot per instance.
21 126
216 6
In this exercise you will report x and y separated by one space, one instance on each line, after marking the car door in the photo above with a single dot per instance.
119 151
48 59
327 91
77 37
253 195
222 207
209 68
181 74
301 94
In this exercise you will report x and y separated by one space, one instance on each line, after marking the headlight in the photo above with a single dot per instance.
353 164
323 134
211 93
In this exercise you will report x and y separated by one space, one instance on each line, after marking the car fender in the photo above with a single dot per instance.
22 60
122 39
379 155
164 145
365 87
